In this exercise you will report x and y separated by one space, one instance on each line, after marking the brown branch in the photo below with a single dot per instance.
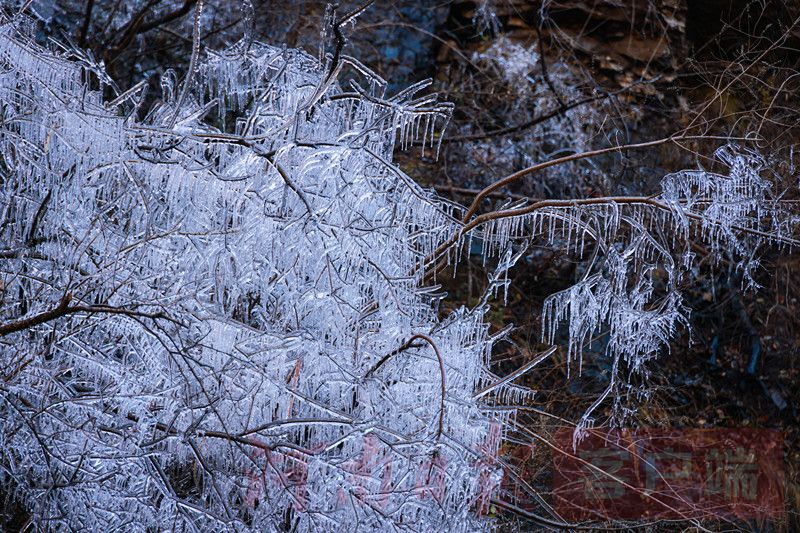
340 41
340 38
63 309
25 323
543 65
720 92
610 475
533 517
507 213
560 110
38 217
542 204
473 208
389 355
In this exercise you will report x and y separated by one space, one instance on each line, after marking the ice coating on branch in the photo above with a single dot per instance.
638 251
242 287
737 212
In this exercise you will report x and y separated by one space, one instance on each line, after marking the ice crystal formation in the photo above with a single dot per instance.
215 313
265 264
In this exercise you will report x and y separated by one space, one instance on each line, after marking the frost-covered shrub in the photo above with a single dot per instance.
219 316
228 288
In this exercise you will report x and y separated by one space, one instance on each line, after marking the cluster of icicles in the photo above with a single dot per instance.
279 365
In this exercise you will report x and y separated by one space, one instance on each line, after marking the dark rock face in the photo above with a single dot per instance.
719 28
646 40
636 40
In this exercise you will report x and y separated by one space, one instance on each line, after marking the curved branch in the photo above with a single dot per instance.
473 208
410 344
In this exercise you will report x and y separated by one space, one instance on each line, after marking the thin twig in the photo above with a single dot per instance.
187 83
